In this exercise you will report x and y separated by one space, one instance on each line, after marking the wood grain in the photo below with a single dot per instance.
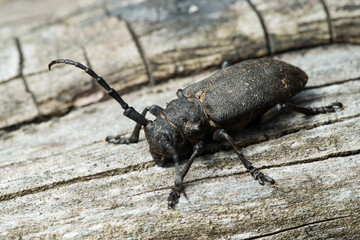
59 180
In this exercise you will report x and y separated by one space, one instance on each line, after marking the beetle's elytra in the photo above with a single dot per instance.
253 90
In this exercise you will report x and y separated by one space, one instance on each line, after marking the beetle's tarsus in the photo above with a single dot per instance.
269 179
315 110
309 111
174 195
260 176
326 109
120 140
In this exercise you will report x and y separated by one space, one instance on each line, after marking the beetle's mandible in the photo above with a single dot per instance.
253 90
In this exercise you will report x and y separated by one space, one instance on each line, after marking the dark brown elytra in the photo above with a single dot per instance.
204 112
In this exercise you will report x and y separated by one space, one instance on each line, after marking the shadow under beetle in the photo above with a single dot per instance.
253 90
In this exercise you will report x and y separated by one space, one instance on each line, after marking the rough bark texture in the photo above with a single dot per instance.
132 43
344 20
58 179
305 26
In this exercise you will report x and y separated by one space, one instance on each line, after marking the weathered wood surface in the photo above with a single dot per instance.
132 43
58 179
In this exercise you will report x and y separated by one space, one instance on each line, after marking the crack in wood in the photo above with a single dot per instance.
37 159
225 147
263 25
146 165
329 21
21 75
318 159
45 118
37 120
94 87
297 227
294 130
333 83
190 182
141 51
86 178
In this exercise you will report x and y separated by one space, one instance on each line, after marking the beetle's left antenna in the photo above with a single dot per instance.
129 111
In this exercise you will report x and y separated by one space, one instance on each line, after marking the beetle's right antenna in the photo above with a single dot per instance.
129 111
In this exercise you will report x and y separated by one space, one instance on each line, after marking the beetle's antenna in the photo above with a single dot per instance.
129 111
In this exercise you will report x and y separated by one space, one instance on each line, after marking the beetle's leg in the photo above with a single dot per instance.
273 112
180 94
315 110
225 64
179 187
222 134
134 138
304 110
166 143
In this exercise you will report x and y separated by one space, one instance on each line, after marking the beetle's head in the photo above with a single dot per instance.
160 133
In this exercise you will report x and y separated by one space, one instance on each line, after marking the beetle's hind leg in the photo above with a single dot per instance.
309 111
259 176
134 138
315 110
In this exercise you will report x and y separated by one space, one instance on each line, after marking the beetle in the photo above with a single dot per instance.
206 111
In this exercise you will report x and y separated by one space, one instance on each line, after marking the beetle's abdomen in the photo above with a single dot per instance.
234 96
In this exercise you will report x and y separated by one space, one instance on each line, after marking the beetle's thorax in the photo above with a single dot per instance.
187 117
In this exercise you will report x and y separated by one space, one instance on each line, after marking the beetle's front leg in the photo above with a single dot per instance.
259 176
134 138
179 187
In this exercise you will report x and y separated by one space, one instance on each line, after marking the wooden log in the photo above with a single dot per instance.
60 140
59 179
290 24
345 20
177 40
12 95
80 39
9 56
132 43
343 60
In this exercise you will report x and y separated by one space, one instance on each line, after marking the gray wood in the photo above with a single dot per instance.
291 24
60 179
133 43
10 57
345 20
12 95
178 41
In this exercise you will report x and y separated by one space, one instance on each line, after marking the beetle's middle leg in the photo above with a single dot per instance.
222 134
134 138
